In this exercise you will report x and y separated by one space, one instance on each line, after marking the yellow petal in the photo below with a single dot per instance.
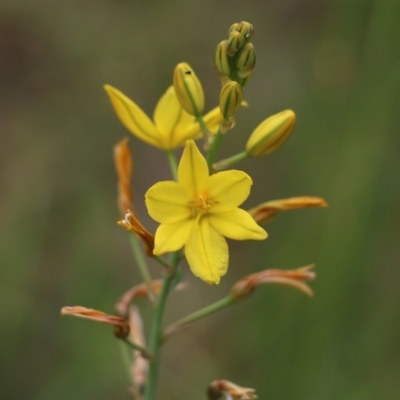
172 237
207 252
228 189
212 119
171 119
192 130
133 118
237 224
192 170
167 202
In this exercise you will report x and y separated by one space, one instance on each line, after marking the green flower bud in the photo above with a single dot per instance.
188 89
233 27
271 134
230 99
246 29
246 61
236 42
223 63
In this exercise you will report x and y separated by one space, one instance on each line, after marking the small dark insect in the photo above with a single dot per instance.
188 72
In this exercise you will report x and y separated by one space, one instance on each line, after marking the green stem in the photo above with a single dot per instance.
168 267
172 164
141 262
155 334
204 312
212 152
127 360
209 137
145 352
227 162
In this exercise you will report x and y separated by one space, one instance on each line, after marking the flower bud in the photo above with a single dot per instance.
230 99
271 134
188 89
246 61
236 42
233 27
223 63
246 29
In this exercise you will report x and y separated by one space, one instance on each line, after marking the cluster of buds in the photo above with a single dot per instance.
235 60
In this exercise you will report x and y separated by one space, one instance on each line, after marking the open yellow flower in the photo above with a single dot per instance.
172 125
198 211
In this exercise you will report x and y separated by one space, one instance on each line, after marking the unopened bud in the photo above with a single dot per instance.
246 61
236 42
246 29
188 89
230 99
234 27
223 62
271 134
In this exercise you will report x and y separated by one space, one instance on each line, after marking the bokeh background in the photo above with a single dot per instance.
336 63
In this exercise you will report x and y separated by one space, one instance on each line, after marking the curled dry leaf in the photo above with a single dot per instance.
132 224
124 166
269 209
139 363
121 326
295 278
139 291
221 387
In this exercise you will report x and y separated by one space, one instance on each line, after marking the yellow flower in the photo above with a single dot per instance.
198 211
172 125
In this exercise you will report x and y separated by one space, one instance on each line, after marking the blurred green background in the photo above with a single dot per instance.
336 63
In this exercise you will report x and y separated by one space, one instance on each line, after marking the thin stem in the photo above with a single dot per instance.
204 312
145 352
127 359
168 267
142 264
227 162
155 334
172 163
212 152
209 137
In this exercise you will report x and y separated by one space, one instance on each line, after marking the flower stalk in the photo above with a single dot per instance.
204 312
156 329
196 210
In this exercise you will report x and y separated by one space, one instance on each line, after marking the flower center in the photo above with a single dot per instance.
201 204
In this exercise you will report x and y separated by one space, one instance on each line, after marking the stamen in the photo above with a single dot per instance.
201 204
